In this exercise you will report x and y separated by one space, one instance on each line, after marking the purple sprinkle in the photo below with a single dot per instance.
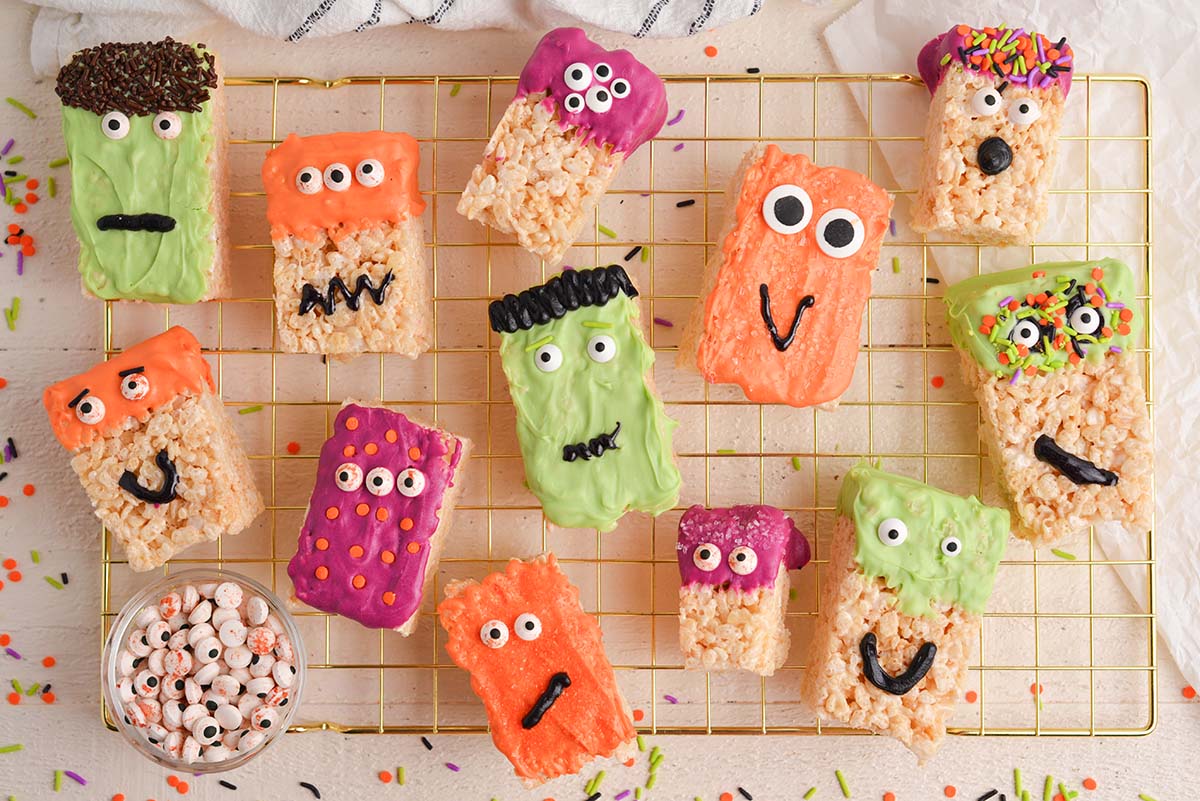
621 796
1014 378
12 653
1100 289
643 194
20 262
678 147
453 767
892 226
1006 301
664 322
1061 60
1114 305
70 774
1115 349
670 699
675 120
1041 53
1020 32
567 267
1045 82
7 147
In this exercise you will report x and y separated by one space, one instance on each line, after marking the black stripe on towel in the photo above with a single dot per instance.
651 18
700 21
316 16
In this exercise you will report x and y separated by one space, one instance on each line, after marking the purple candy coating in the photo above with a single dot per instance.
766 530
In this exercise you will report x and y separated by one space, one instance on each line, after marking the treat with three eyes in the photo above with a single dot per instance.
148 186
580 111
1048 350
537 662
782 298
154 448
594 436
378 517
910 572
350 273
733 566
991 139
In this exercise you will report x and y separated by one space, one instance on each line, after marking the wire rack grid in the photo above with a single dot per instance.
1063 650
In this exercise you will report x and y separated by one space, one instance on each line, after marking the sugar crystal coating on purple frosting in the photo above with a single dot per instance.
767 532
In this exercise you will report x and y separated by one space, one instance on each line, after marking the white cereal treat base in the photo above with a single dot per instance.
728 629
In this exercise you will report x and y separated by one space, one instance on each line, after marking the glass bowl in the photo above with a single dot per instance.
125 623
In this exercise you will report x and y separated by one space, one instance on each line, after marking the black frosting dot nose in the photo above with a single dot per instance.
995 156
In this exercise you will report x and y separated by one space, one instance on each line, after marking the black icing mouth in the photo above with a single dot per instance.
782 343
895 685
164 494
1076 468
554 688
311 297
157 223
595 447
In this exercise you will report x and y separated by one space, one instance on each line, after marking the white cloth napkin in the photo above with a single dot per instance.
1150 39
65 26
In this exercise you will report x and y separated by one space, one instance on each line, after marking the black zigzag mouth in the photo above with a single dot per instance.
312 298
1076 468
594 448
895 685
155 223
784 342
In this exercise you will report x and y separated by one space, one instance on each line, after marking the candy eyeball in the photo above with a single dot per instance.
743 560
494 634
135 387
574 103
115 125
369 172
1086 320
602 72
986 102
1024 111
951 547
620 88
892 532
528 627
308 180
787 209
548 358
411 482
602 348
337 177
348 477
167 125
599 99
578 76
840 233
1026 332
90 411
707 557
380 481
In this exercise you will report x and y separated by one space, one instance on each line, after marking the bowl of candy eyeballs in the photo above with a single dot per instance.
203 670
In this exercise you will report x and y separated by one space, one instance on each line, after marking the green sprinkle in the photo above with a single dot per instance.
8 749
400 776
33 690
15 159
655 762
792 593
454 90
596 324
811 792
945 61
1017 781
35 556
697 798
1024 795
16 685
1145 797
604 229
895 264
651 782
596 782
53 582
535 345
59 162
52 186
725 451
637 793
11 315
58 776
796 463
842 783
646 253
1070 557
250 409
641 743
21 107
653 752
1062 789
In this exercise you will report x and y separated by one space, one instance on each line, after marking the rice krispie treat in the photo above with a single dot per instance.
378 517
537 662
144 125
991 139
910 571
350 273
782 298
1048 351
733 567
154 448
594 436
579 112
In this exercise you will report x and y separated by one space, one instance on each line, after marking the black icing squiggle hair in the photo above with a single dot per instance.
571 290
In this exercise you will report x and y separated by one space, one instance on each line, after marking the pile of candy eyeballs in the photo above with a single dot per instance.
205 674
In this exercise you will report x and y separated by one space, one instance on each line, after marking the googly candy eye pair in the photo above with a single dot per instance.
787 209
494 633
893 532
337 176
1022 112
601 349
166 125
742 559
90 409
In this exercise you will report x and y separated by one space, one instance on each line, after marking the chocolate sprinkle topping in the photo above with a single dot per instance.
138 78
563 293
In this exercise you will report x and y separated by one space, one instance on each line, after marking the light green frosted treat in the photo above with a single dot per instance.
138 124
1044 317
926 544
595 438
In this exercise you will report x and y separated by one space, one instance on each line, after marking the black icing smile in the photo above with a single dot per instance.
895 685
164 494
1078 469
311 297
782 343
595 447
158 223
554 688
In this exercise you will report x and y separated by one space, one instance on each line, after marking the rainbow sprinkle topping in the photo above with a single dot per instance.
1021 57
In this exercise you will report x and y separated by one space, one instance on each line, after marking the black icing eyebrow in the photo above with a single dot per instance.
131 371
75 401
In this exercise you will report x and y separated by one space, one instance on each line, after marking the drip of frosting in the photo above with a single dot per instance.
353 204
171 365
950 550
770 535
365 555
592 102
1021 57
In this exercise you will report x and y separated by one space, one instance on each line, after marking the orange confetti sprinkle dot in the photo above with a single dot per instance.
638 715
1189 692
356 552
293 448
415 547
359 582
381 514
628 763
119 797
1126 315
1059 797
938 382
14 699
172 780
321 572
1097 272
972 696
32 183
15 576
29 489
31 198
182 788
1039 273
20 208
726 797
9 563
332 513
387 557
1036 688
950 791
710 51
49 662
1089 783
389 598
322 544
414 453
889 797
370 449
390 435
362 509
349 450
3 383
385 777
5 640
406 524
3 501
351 423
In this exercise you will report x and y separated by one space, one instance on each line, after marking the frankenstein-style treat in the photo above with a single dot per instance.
378 517
991 139
154 448
1048 350
579 112
537 662
733 566
145 131
350 272
782 298
909 574
594 436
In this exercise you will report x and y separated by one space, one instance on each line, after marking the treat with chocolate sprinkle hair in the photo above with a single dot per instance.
138 78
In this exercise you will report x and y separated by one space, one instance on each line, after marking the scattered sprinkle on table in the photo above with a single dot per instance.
21 107
938 382
604 229
250 409
58 777
425 742
53 582
710 51
645 254
1047 788
895 264
60 161
1189 692
841 780
227 785
726 451
889 796
75 777
972 696
29 490
1036 689
385 777
293 448
593 797
683 204
892 226
670 699
638 716
621 795
455 89
11 314
664 322
453 767
636 250
1089 783
678 147
1145 797
987 795
182 788
9 749
933 280
742 792
676 119
753 70
12 653
950 791
1070 557
726 797
311 788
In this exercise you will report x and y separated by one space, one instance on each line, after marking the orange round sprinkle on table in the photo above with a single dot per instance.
20 208
9 563
49 662
385 777
351 423
359 582
726 797
972 696
639 715
950 791
3 501
414 453
889 796
628 763
14 699
332 513
1036 688
31 198
710 51
1189 692
32 183
387 557
13 228
1089 783
1059 797
381 514
1126 315
362 509
349 450
322 544
172 780
119 797
5 640
938 382
406 524
370 449
14 576
3 383
390 435
47 698
182 788
293 448
415 547
356 551
321 572
29 489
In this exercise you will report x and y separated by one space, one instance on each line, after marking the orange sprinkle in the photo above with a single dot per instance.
628 763
387 557
49 662
381 514
413 547
1039 273
1030 299
119 797
31 198
13 228
370 449
385 777
962 30
3 383
359 582
293 448
1074 357
182 788
950 791
32 183
321 573
726 797
1126 315
985 329
1002 358
1089 783
1059 797
710 51
972 696
406 524
389 598
1106 332
351 423
390 435
938 382
5 640
1089 288
1014 305
356 551
1097 272
1189 692
349 450
1123 329
362 509
28 250
1036 688
1031 370
322 544
20 208
172 780
332 513
889 797
10 563
29 489
638 715
14 576
1097 301
3 501
14 699
989 319
414 453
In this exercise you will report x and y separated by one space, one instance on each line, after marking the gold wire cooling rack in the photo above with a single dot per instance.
1064 650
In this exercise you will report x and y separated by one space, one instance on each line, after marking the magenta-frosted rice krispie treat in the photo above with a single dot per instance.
579 112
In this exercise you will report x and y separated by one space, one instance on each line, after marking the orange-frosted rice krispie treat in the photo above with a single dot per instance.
909 575
992 135
155 449
580 110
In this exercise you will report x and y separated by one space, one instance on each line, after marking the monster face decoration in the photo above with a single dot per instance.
537 662
910 574
733 565
345 216
783 298
992 136
594 436
1048 352
144 132
154 448
378 514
